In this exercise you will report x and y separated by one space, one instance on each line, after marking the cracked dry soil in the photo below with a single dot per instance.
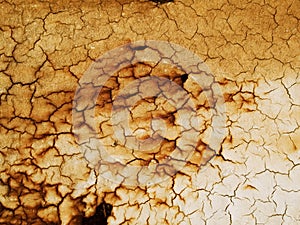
252 50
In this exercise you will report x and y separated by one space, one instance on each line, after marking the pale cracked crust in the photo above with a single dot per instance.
252 49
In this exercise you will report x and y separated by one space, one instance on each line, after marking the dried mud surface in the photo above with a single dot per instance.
252 50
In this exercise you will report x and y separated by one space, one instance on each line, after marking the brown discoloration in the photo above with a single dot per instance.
252 49
145 112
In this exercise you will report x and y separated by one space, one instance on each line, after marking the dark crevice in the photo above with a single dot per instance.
184 77
103 211
161 1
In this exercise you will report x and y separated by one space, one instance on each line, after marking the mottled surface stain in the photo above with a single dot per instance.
252 50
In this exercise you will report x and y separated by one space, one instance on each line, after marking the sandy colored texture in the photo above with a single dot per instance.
252 50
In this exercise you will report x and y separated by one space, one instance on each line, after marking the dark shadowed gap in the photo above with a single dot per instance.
184 77
103 211
161 1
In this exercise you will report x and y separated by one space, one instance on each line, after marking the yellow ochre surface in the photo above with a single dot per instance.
252 50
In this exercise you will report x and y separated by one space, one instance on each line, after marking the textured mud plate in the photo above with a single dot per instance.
139 127
149 112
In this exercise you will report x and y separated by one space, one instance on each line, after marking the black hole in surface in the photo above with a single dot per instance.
161 1
184 77
139 48
103 211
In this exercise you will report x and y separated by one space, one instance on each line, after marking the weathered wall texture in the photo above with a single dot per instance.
252 50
